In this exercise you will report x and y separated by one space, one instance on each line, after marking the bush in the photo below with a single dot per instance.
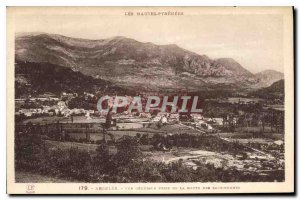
127 150
28 150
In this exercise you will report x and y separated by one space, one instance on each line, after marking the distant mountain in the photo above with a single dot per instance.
135 65
268 77
276 90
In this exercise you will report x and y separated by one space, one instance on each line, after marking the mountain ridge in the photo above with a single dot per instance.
131 63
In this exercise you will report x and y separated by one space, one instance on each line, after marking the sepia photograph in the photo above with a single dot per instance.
150 100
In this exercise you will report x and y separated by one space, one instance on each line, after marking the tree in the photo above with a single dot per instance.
102 160
28 149
127 150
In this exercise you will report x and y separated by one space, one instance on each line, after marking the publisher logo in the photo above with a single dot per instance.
30 189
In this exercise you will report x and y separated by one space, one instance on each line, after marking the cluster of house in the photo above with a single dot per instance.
237 100
35 111
197 119
59 109
44 97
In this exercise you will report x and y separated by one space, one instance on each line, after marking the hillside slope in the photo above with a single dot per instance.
135 65
37 78
276 90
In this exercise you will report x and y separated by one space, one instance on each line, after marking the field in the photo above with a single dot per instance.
28 177
54 119
243 135
91 148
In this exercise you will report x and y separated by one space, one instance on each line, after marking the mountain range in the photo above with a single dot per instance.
135 65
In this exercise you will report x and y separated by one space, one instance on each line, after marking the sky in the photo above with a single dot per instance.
253 40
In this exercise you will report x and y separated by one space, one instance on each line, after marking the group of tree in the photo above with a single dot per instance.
126 165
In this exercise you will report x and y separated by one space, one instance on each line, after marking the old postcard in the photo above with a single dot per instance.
150 100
